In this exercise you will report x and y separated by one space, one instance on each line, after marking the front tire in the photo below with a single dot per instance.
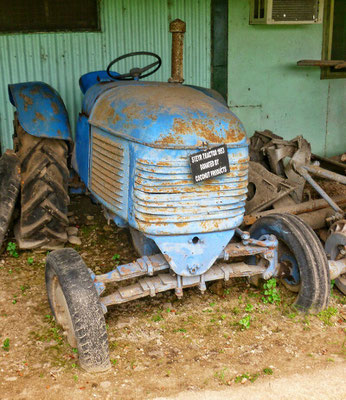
75 305
307 270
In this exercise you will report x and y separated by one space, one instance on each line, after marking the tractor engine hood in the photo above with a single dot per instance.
166 116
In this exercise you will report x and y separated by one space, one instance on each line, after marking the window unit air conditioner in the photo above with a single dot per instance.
272 12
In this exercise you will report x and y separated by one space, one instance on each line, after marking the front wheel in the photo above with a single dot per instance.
302 260
75 305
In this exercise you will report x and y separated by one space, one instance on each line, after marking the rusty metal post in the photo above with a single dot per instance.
177 28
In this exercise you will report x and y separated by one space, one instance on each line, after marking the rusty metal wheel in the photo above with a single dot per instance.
335 248
75 305
301 257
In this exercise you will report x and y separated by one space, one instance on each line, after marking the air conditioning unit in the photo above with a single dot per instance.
286 12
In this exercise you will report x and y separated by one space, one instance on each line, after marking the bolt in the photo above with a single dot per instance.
193 268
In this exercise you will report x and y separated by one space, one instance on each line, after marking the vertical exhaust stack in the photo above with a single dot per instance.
177 28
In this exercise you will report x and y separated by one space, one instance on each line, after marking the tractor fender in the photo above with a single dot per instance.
40 110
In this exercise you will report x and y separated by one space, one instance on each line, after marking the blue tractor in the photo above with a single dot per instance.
170 162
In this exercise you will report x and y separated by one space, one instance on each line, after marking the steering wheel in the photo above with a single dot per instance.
135 73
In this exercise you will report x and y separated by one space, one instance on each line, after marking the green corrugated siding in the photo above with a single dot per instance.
127 25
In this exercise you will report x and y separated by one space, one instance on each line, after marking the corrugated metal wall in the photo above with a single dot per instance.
127 25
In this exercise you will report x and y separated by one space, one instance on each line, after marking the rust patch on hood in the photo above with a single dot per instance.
208 130
134 111
27 101
55 107
39 116
170 139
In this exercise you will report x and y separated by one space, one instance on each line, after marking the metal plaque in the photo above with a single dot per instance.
209 163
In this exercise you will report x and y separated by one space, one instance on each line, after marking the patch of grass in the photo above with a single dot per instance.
236 310
326 315
270 292
12 249
221 375
6 344
158 317
113 345
180 330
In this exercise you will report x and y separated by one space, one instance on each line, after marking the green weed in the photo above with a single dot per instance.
271 294
116 258
268 371
248 307
6 344
12 249
244 323
250 377
221 375
30 260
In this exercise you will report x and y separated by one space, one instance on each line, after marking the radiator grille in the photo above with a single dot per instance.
165 193
107 170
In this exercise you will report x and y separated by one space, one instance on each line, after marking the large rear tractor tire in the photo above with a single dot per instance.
75 305
301 257
44 191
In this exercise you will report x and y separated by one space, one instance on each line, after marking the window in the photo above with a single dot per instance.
334 37
49 15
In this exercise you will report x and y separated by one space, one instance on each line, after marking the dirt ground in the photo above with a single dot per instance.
200 345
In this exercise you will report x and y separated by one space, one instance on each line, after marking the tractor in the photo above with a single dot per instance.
170 162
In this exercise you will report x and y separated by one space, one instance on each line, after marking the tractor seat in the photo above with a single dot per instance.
91 78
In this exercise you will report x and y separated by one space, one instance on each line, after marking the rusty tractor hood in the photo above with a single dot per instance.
166 116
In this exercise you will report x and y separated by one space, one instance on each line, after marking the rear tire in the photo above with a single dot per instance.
309 272
75 305
10 184
44 191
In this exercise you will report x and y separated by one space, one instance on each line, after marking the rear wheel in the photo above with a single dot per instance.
302 259
75 305
10 184
44 191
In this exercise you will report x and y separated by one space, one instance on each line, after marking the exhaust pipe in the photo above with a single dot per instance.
177 28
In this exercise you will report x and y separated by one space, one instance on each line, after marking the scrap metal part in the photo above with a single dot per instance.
280 156
290 161
10 184
265 188
318 208
335 248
